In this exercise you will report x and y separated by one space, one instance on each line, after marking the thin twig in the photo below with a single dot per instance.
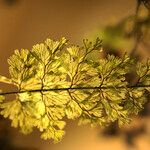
74 88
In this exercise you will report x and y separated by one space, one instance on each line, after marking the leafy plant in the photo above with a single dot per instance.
55 82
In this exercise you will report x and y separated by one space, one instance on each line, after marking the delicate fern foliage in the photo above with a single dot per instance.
1 97
55 82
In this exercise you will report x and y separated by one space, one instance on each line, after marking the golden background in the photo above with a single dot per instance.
27 22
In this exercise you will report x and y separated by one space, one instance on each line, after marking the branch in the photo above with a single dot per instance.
74 88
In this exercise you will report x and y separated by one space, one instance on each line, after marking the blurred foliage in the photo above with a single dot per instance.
10 2
129 33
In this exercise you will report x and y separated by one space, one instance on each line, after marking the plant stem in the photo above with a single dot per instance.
74 88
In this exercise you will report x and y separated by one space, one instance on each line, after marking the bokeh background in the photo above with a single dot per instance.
24 23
